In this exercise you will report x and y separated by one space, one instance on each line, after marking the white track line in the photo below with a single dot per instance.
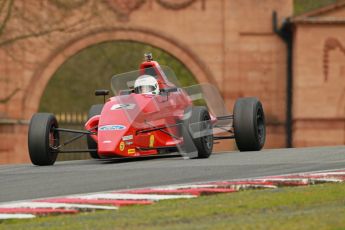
326 180
250 186
54 205
328 174
128 196
16 216
329 171
188 186
282 179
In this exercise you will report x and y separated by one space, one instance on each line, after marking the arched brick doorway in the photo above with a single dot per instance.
59 56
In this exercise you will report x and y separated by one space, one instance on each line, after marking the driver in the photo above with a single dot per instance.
146 84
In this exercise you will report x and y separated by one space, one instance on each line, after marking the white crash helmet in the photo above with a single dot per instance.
146 84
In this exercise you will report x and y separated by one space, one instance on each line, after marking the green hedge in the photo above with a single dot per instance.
302 6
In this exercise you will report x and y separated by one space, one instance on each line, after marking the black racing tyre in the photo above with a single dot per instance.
193 123
42 138
249 124
91 144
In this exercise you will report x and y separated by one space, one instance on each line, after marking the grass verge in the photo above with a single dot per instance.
313 207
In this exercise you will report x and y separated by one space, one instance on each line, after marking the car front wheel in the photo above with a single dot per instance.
249 124
43 139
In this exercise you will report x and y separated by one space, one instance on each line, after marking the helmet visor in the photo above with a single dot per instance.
145 89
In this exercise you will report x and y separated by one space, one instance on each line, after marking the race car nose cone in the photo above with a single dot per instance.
110 138
119 118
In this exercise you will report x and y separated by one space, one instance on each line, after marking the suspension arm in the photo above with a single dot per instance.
157 128
76 150
80 133
227 117
223 137
73 131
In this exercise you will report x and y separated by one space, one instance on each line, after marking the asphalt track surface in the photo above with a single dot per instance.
20 182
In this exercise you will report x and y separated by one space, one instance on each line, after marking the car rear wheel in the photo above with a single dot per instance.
197 131
249 124
42 139
91 144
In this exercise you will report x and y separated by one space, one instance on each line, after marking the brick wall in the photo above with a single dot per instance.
319 85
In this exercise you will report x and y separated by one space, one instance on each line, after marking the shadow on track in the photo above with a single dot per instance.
133 159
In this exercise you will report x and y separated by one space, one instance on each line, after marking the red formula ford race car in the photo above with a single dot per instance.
151 114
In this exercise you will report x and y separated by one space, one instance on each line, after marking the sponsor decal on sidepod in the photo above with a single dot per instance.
111 127
127 138
122 106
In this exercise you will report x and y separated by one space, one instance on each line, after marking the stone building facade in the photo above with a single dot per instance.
319 77
229 43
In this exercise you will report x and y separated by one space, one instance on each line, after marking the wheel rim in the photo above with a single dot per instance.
260 121
53 139
207 140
